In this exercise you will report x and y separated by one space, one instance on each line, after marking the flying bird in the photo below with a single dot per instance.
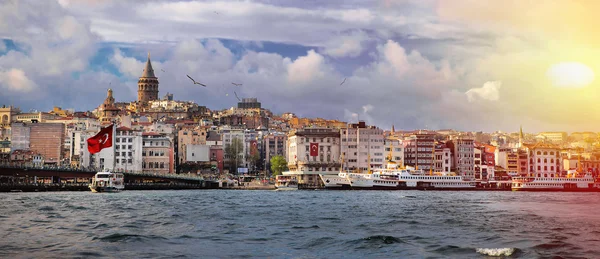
162 70
216 12
343 81
196 83
237 96
236 84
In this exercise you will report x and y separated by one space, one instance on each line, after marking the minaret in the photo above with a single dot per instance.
520 137
148 84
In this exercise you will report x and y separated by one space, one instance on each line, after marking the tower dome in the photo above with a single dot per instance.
148 84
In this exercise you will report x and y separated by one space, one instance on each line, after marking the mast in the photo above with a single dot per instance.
114 146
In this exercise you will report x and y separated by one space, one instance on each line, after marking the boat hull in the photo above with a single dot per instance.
98 189
287 188
556 189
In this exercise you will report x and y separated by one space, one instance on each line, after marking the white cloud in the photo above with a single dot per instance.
306 68
346 45
490 91
414 75
15 80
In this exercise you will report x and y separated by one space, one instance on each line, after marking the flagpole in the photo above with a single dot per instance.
114 136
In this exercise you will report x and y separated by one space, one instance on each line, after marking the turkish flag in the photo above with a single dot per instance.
253 147
314 149
102 140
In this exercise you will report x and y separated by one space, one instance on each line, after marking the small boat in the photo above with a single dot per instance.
285 183
107 182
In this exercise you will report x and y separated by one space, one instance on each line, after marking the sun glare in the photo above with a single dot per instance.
570 74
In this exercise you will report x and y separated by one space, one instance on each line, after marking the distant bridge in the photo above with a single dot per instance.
53 175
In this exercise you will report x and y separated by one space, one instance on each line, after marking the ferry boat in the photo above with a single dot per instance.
572 182
107 182
285 182
335 181
410 179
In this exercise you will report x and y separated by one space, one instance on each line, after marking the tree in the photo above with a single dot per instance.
278 165
233 151
254 159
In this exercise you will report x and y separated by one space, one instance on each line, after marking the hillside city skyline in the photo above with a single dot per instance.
412 64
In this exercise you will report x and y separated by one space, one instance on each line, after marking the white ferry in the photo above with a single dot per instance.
335 181
572 182
286 182
107 182
410 179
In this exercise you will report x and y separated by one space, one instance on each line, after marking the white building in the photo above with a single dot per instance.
326 145
545 159
127 146
360 143
443 158
397 148
197 153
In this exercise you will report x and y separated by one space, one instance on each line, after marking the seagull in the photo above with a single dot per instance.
216 12
236 84
162 70
343 81
237 96
196 83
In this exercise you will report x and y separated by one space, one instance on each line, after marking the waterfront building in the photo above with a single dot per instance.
128 144
190 135
418 150
45 139
544 159
463 160
275 144
484 161
397 148
313 151
359 143
157 153
443 158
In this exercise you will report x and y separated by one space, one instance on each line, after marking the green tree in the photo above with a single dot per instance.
278 165
254 159
233 151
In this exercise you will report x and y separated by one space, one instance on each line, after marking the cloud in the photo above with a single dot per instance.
409 63
490 91
16 80
350 45
306 68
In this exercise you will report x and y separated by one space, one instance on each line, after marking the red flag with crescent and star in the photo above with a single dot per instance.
253 147
101 140
314 149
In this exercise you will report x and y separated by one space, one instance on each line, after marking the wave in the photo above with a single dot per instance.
496 251
116 237
313 226
383 239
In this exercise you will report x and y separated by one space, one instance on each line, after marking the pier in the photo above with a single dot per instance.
28 179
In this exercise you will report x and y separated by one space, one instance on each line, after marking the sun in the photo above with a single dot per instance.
570 74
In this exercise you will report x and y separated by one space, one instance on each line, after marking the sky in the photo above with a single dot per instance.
470 65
